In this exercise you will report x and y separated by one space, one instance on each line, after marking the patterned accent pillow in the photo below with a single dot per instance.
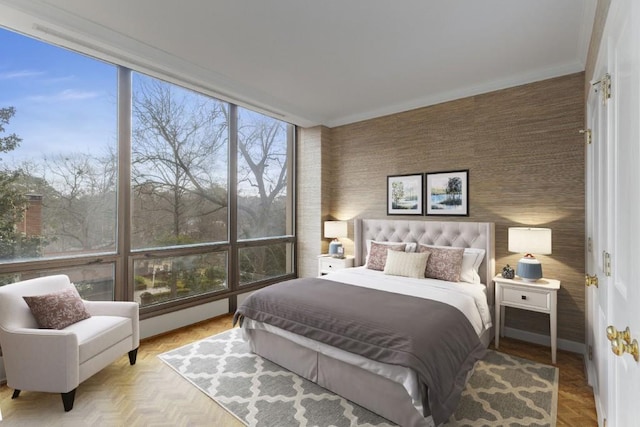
443 263
378 255
57 310
407 264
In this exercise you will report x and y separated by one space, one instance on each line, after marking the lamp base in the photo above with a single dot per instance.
334 249
529 269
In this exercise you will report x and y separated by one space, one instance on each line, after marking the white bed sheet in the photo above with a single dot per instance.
469 298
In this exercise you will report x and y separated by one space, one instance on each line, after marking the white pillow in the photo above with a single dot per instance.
407 264
471 260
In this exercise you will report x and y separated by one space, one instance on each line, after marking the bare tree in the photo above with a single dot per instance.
179 138
262 173
81 212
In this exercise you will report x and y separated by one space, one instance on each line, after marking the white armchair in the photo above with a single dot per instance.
57 361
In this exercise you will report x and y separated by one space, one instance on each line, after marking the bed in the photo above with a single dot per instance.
375 370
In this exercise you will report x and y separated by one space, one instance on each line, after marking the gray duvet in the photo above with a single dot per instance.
430 337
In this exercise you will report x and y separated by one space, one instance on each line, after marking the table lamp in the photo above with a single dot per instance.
335 230
529 241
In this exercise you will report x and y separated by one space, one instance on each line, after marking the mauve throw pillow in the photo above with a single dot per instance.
378 255
57 310
443 263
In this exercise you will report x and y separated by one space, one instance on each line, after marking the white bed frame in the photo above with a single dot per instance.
378 394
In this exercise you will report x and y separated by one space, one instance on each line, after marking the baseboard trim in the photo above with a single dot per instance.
567 345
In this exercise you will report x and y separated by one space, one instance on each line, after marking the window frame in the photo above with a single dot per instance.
124 256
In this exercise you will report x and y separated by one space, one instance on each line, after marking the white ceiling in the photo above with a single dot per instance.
327 62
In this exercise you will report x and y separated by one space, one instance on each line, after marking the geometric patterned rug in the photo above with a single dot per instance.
503 390
509 391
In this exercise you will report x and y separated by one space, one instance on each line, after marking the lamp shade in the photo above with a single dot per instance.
333 229
530 240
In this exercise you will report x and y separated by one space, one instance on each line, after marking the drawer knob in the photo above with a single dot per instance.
523 297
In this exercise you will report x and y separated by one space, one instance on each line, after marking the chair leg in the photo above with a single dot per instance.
16 393
133 354
67 399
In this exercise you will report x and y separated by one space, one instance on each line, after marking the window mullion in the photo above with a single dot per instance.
123 266
233 269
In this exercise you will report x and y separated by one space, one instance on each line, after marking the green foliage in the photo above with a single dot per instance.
262 262
215 274
13 203
12 141
397 191
454 185
140 283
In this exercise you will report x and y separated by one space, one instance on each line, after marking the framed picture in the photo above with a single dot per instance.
448 193
405 194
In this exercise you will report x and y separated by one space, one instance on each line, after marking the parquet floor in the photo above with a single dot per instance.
151 394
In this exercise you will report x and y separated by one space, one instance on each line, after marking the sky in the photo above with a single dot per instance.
65 102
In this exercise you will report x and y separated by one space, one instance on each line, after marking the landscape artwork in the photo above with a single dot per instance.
448 193
405 194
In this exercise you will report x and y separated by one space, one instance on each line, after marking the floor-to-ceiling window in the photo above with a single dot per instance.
58 166
136 187
264 197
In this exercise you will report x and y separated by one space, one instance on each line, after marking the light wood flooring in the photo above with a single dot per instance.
151 394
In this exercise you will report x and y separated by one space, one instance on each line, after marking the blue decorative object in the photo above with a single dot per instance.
333 248
529 269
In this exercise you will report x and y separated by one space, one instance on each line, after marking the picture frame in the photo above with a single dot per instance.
405 194
447 193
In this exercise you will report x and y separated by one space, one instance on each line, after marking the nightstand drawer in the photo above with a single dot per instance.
328 264
526 298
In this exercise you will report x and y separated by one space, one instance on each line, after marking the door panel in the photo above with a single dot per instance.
597 231
624 47
613 217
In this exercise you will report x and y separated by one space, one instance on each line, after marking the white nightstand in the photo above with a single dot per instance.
327 264
539 296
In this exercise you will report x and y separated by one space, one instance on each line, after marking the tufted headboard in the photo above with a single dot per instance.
458 234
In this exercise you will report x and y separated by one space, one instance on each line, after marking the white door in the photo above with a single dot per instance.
623 53
613 219
597 207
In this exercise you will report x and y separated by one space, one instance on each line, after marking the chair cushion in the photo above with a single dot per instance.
57 310
98 333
